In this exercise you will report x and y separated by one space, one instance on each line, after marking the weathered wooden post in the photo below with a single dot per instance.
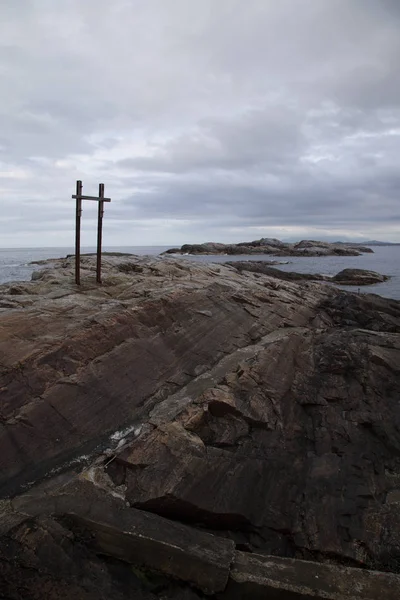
78 232
100 199
99 231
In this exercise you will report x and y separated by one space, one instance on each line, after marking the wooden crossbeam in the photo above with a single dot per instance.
91 198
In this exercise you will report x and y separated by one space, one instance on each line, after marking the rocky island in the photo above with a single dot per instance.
194 430
275 247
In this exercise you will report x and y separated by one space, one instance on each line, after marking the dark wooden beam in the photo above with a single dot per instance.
99 231
78 216
80 197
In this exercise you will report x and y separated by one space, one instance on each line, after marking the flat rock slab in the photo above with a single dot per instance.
273 578
170 548
176 550
134 536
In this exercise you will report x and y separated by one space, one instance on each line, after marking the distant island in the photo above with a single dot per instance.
274 247
371 243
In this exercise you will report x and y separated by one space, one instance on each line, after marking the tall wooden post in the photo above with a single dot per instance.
99 231
78 232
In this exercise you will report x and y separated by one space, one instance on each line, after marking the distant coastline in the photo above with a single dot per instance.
370 243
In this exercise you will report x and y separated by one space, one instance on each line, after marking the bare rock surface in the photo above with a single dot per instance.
207 404
275 247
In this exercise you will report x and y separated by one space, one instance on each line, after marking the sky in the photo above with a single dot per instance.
207 120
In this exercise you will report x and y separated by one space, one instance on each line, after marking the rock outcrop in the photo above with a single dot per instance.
75 539
356 277
209 412
275 247
359 277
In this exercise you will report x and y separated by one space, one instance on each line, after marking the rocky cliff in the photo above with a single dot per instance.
183 418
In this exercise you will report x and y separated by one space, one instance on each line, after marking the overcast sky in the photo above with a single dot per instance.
207 120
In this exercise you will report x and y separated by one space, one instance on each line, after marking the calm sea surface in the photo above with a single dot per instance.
14 263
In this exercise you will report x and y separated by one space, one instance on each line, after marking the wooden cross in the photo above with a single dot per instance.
100 199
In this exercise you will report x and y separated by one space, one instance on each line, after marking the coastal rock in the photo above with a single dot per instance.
275 247
261 266
358 277
316 248
260 411
269 242
346 277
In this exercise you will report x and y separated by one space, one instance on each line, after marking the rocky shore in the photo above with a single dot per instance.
193 430
275 247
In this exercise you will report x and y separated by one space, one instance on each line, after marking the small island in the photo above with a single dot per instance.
274 247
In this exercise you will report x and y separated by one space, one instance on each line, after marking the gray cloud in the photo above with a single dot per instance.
205 120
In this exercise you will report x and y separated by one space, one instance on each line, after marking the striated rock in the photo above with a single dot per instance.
275 247
202 401
77 365
292 448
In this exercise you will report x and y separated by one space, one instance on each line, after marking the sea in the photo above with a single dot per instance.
15 263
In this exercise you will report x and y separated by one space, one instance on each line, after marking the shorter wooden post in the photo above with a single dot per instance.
99 231
78 232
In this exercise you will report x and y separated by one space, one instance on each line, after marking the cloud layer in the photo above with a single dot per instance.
206 120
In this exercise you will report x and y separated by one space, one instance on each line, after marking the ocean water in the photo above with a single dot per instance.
15 263
384 260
